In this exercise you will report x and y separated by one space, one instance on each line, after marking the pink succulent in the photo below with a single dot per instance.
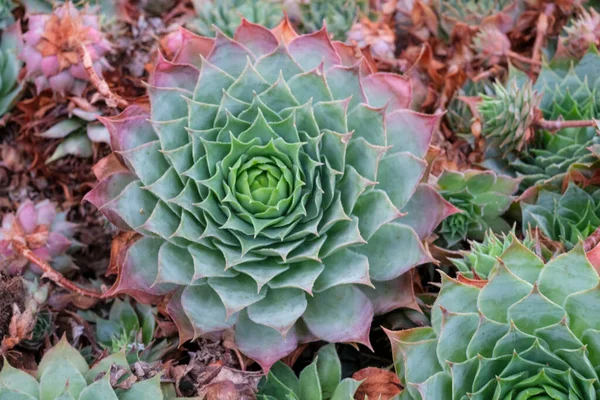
51 52
41 229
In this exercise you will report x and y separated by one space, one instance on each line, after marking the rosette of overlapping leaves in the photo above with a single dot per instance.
530 331
275 186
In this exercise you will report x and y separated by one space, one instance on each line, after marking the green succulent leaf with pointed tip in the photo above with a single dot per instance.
322 379
482 197
567 217
63 373
529 331
275 185
10 65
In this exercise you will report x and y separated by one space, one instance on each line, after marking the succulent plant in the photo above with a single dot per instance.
567 217
77 134
52 45
491 45
508 117
582 32
501 13
322 379
43 327
252 181
42 230
459 115
131 328
10 45
339 15
528 332
570 94
479 260
6 16
482 197
226 15
63 374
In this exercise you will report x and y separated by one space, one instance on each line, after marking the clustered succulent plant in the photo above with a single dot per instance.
10 65
322 379
267 183
509 115
565 218
482 197
107 8
52 49
339 15
582 32
226 15
40 228
529 331
131 328
63 374
480 259
500 13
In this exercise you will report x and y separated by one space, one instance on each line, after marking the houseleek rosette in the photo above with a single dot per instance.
531 331
267 184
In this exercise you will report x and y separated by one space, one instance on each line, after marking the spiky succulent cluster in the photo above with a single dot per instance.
459 115
226 15
131 328
508 117
479 260
482 197
52 49
570 94
567 217
63 374
41 229
582 32
267 181
531 331
6 16
339 15
501 13
10 46
322 379
491 45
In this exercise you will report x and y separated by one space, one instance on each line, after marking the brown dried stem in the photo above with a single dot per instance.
112 99
561 123
541 31
51 273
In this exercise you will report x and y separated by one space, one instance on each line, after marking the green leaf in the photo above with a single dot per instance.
279 309
535 311
19 381
329 369
310 386
99 390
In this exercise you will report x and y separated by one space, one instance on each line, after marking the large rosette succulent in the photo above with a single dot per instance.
268 182
529 332
51 51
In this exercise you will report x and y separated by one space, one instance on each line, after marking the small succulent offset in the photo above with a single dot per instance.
226 15
267 183
52 45
531 331
582 32
482 198
508 117
10 46
42 230
131 328
567 217
480 259
78 134
491 45
322 379
63 374
339 15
